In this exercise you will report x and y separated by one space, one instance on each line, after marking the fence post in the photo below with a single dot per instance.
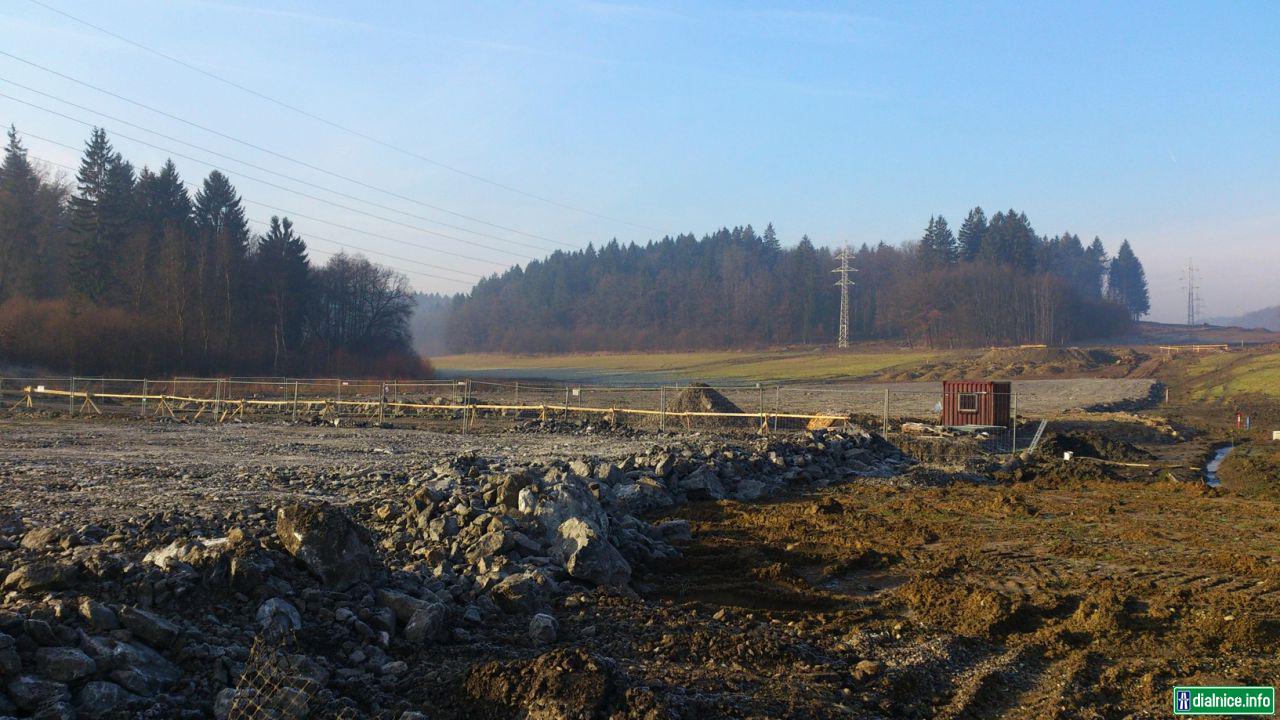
144 397
382 403
71 400
764 419
217 400
662 407
885 418
777 405
566 403
517 392
1014 442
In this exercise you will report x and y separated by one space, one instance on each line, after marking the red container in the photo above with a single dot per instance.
976 402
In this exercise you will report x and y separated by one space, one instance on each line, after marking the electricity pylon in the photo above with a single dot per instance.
844 283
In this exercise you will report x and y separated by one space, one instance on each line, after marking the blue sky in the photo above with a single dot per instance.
1156 122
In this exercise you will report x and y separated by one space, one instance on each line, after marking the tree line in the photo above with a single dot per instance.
994 282
126 271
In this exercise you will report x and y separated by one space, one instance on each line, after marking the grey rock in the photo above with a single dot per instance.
332 547
99 698
64 664
564 500
543 628
749 489
10 662
586 555
56 710
663 465
38 538
675 530
404 606
144 671
229 699
99 616
42 575
643 496
427 624
149 627
29 692
702 484
523 592
278 615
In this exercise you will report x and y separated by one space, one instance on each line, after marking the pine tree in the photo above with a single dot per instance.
283 273
96 224
19 219
972 232
938 246
1127 282
770 239
1095 262
224 235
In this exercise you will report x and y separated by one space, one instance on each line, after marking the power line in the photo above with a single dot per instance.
309 235
296 192
263 169
282 156
338 126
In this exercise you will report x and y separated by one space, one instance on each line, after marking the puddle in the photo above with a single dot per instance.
861 584
1211 470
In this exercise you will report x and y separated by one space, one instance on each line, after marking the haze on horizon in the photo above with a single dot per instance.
848 122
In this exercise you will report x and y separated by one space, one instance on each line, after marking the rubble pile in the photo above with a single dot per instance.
156 615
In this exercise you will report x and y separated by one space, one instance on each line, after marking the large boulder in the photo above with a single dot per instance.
134 666
29 692
155 630
561 500
428 624
523 592
64 664
332 547
642 496
588 556
100 698
42 575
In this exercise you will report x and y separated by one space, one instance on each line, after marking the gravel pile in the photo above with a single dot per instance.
156 614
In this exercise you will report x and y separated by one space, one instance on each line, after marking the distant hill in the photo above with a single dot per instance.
1266 318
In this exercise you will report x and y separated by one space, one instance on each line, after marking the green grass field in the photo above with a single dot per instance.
765 365
1221 376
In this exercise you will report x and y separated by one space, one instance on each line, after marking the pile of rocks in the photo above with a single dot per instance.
157 616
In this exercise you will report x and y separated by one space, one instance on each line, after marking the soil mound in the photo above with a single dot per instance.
563 683
1029 362
702 398
1091 444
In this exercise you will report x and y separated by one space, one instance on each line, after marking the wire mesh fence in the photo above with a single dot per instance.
275 684
467 405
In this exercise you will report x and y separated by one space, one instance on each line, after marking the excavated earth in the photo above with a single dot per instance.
274 571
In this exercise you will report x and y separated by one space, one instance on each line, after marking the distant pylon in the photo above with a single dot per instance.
1193 294
844 283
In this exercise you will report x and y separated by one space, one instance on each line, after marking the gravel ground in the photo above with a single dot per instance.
91 470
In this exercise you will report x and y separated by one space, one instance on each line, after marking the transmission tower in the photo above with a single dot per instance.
844 283
1192 288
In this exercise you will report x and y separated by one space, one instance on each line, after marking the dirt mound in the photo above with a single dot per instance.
1019 362
563 683
966 610
1091 444
702 398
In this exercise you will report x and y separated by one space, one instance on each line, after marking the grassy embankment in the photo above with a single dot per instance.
1219 377
765 365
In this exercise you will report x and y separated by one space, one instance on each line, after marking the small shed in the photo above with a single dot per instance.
976 402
